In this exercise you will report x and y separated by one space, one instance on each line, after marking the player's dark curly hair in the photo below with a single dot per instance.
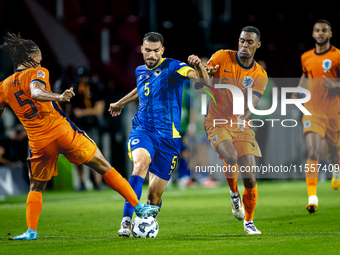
21 50
153 37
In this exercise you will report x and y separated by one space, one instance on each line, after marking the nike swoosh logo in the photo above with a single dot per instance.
227 71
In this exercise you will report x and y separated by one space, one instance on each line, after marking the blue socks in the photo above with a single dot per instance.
136 183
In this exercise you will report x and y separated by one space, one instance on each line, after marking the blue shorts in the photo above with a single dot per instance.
164 152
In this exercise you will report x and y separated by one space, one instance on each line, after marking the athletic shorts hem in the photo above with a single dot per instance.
90 158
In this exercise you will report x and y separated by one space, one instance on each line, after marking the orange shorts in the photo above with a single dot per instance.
244 142
328 129
75 145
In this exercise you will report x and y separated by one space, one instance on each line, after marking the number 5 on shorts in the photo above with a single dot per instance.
174 163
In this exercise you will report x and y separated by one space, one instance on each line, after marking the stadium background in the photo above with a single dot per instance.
106 37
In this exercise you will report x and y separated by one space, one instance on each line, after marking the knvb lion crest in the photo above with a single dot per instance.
248 82
326 64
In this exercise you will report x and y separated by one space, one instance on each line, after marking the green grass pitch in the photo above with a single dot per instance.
195 221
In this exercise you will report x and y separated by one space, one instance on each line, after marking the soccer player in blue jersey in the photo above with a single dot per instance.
154 142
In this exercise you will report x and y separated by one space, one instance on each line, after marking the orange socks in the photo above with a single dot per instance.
231 176
249 195
249 201
311 176
121 185
33 209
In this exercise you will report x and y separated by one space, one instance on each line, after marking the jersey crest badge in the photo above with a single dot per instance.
307 124
158 71
326 64
135 141
248 82
41 74
215 138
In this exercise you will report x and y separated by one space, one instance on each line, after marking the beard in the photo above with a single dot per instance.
244 56
322 43
150 66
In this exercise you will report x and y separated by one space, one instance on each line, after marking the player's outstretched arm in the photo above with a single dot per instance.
116 108
200 72
303 83
39 93
330 83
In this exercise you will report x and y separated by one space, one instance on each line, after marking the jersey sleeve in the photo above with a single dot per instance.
215 59
180 69
260 84
41 75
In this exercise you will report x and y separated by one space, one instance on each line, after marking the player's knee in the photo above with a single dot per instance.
231 158
313 153
249 183
38 186
140 166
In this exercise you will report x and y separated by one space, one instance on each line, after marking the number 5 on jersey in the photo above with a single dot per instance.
147 89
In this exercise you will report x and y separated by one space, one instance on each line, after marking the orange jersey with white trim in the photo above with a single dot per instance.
232 72
324 103
43 121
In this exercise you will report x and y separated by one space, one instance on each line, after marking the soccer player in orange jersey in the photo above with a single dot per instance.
321 68
50 132
236 144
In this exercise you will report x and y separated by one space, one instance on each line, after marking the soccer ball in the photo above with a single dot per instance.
144 227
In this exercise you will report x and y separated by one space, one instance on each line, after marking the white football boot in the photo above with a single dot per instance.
250 228
236 205
125 227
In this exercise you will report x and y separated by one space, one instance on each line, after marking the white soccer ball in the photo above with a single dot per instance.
144 227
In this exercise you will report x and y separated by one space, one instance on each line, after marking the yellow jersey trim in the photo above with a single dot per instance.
185 70
129 150
175 133
160 62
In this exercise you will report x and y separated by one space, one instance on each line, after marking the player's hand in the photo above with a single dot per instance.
211 70
115 109
241 123
328 83
67 95
194 60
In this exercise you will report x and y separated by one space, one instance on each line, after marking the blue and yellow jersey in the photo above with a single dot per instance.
160 97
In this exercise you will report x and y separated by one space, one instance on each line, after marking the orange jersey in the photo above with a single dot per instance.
43 121
324 103
231 71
